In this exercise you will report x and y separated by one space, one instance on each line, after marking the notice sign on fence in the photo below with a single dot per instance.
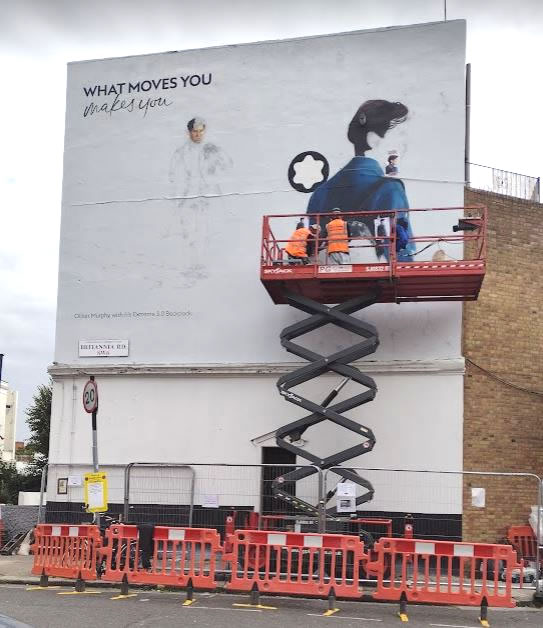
96 492
346 497
210 501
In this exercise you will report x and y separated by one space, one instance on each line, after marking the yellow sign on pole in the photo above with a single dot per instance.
96 492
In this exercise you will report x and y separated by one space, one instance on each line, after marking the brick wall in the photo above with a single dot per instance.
503 333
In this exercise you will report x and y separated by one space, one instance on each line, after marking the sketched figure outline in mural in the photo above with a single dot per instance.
361 185
196 167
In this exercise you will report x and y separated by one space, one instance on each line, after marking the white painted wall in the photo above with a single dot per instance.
29 498
206 419
8 421
133 242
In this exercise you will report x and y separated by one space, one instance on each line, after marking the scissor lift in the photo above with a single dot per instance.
443 267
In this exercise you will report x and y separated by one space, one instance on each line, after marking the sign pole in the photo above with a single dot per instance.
95 450
94 437
90 404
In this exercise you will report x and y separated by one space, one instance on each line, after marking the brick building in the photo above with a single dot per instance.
502 334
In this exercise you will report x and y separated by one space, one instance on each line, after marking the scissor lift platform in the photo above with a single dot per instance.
456 276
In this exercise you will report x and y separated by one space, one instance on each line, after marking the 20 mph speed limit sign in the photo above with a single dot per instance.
90 396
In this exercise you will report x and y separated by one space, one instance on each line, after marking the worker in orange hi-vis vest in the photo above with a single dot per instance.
338 240
297 247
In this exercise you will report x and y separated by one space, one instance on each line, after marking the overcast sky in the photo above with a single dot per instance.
38 38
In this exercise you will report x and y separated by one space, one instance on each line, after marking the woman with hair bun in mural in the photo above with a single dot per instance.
361 185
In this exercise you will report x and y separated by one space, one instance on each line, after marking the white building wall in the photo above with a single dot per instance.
196 418
199 385
8 420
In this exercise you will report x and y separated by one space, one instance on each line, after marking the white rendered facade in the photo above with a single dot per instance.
167 257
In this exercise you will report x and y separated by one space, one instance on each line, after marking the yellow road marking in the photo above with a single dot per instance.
331 611
79 592
261 606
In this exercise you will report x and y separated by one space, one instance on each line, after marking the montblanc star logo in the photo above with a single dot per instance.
307 171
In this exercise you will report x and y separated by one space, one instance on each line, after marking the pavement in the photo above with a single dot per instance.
17 570
52 608
29 606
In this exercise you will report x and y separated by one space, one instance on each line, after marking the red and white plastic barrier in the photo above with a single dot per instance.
439 572
121 552
180 556
522 538
293 563
444 572
66 551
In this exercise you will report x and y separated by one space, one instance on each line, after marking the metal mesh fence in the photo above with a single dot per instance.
204 495
504 182
473 506
469 506
433 500
159 494
63 491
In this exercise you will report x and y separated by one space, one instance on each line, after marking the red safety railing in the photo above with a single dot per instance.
179 556
273 249
444 572
66 551
295 563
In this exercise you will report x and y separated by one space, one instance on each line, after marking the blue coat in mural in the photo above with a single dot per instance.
361 185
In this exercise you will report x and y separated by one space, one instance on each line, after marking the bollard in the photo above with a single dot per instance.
255 600
79 584
190 594
484 613
332 608
403 608
124 593
255 595
44 579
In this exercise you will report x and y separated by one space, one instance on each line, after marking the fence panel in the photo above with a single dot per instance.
445 573
206 495
66 551
292 563
434 500
457 506
172 556
504 182
63 490
159 494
